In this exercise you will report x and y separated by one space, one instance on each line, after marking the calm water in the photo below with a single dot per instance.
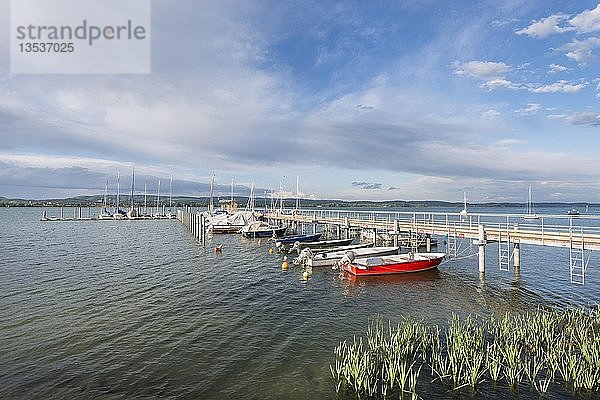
137 309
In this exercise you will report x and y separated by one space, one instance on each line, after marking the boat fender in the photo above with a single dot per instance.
305 276
218 249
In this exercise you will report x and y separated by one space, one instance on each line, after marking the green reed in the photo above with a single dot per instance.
542 348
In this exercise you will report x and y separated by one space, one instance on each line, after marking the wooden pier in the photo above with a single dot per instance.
580 235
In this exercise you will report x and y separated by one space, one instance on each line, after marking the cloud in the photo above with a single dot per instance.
500 84
483 70
561 86
587 21
581 50
490 114
531 108
585 118
556 68
545 27
367 185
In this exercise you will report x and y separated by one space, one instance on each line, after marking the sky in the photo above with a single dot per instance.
378 100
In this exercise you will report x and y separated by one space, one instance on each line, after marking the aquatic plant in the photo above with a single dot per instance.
542 348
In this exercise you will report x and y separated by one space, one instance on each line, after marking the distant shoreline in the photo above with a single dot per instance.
181 201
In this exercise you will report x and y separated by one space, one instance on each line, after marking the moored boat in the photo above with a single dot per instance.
261 229
573 212
322 244
297 238
331 258
397 264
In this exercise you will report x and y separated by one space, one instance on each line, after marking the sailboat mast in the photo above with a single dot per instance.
158 199
171 192
281 195
145 199
118 189
106 194
232 191
529 205
297 192
132 185
211 206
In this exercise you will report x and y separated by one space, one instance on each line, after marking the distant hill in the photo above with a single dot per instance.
180 201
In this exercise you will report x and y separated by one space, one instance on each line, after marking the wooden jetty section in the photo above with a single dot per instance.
508 231
195 222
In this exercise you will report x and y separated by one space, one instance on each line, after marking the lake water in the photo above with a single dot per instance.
138 309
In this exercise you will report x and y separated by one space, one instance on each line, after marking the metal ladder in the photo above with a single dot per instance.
577 262
451 244
504 253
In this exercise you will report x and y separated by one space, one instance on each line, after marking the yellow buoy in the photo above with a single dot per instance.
305 275
284 264
271 251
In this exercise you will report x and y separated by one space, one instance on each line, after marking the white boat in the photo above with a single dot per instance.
331 258
530 212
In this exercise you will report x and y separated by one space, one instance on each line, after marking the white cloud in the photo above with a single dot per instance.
490 114
587 21
531 108
556 68
484 70
556 116
545 27
581 50
561 86
585 118
500 84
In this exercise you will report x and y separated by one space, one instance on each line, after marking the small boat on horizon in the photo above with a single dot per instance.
530 212
573 212
395 264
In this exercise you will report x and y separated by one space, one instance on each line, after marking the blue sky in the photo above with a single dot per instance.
410 100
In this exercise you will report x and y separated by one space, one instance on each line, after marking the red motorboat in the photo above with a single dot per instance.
396 264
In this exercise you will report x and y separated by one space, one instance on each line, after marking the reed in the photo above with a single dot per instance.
542 348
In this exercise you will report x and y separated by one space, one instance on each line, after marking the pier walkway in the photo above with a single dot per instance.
580 234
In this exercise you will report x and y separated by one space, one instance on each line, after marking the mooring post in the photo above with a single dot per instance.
203 228
516 250
347 223
374 237
396 232
517 255
428 243
481 244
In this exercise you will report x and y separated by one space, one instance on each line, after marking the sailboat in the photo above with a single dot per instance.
463 213
530 212
104 213
118 213
132 213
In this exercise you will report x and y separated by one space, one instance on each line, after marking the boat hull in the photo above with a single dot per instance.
401 264
265 233
298 238
331 258
223 229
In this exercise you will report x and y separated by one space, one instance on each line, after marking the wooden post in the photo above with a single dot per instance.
396 232
517 254
428 242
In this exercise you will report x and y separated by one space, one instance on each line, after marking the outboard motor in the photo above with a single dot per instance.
347 259
303 257
295 247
